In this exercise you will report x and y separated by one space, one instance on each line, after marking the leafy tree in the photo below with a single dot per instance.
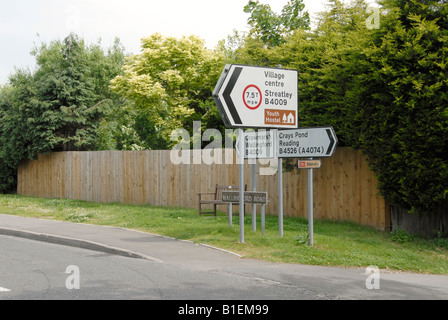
384 91
170 83
272 28
120 130
73 92
403 115
231 47
329 60
7 168
57 107
268 31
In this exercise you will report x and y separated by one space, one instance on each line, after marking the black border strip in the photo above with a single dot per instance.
226 95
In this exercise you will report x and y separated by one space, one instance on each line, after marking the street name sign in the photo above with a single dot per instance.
249 197
258 97
306 143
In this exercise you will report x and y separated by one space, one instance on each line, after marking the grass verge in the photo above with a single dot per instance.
336 243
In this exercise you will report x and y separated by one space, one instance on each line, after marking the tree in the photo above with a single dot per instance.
272 28
73 90
403 115
7 168
329 60
171 83
57 107
384 90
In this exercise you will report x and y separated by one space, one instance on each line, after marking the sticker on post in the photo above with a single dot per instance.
310 164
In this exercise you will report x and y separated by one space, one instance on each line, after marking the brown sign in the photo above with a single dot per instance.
249 197
280 117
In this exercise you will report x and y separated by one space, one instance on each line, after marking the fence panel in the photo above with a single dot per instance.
345 188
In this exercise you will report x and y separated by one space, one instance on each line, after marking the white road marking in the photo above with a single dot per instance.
4 290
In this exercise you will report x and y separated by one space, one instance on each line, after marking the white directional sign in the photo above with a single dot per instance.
258 145
306 143
256 97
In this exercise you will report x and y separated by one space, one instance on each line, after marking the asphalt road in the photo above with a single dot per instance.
125 264
36 270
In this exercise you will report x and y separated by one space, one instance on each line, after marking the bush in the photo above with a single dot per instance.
440 241
401 236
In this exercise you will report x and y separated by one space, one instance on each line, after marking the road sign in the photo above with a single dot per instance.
310 164
306 143
256 97
249 197
258 145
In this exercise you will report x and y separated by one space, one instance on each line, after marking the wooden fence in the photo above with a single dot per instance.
345 188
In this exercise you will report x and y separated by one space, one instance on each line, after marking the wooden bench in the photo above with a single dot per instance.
214 198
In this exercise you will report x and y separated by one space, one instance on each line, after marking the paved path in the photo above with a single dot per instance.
320 282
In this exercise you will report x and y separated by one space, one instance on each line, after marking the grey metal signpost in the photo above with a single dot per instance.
257 145
254 188
311 206
308 143
241 200
256 97
254 198
280 197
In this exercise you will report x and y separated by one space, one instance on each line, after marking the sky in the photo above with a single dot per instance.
25 23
